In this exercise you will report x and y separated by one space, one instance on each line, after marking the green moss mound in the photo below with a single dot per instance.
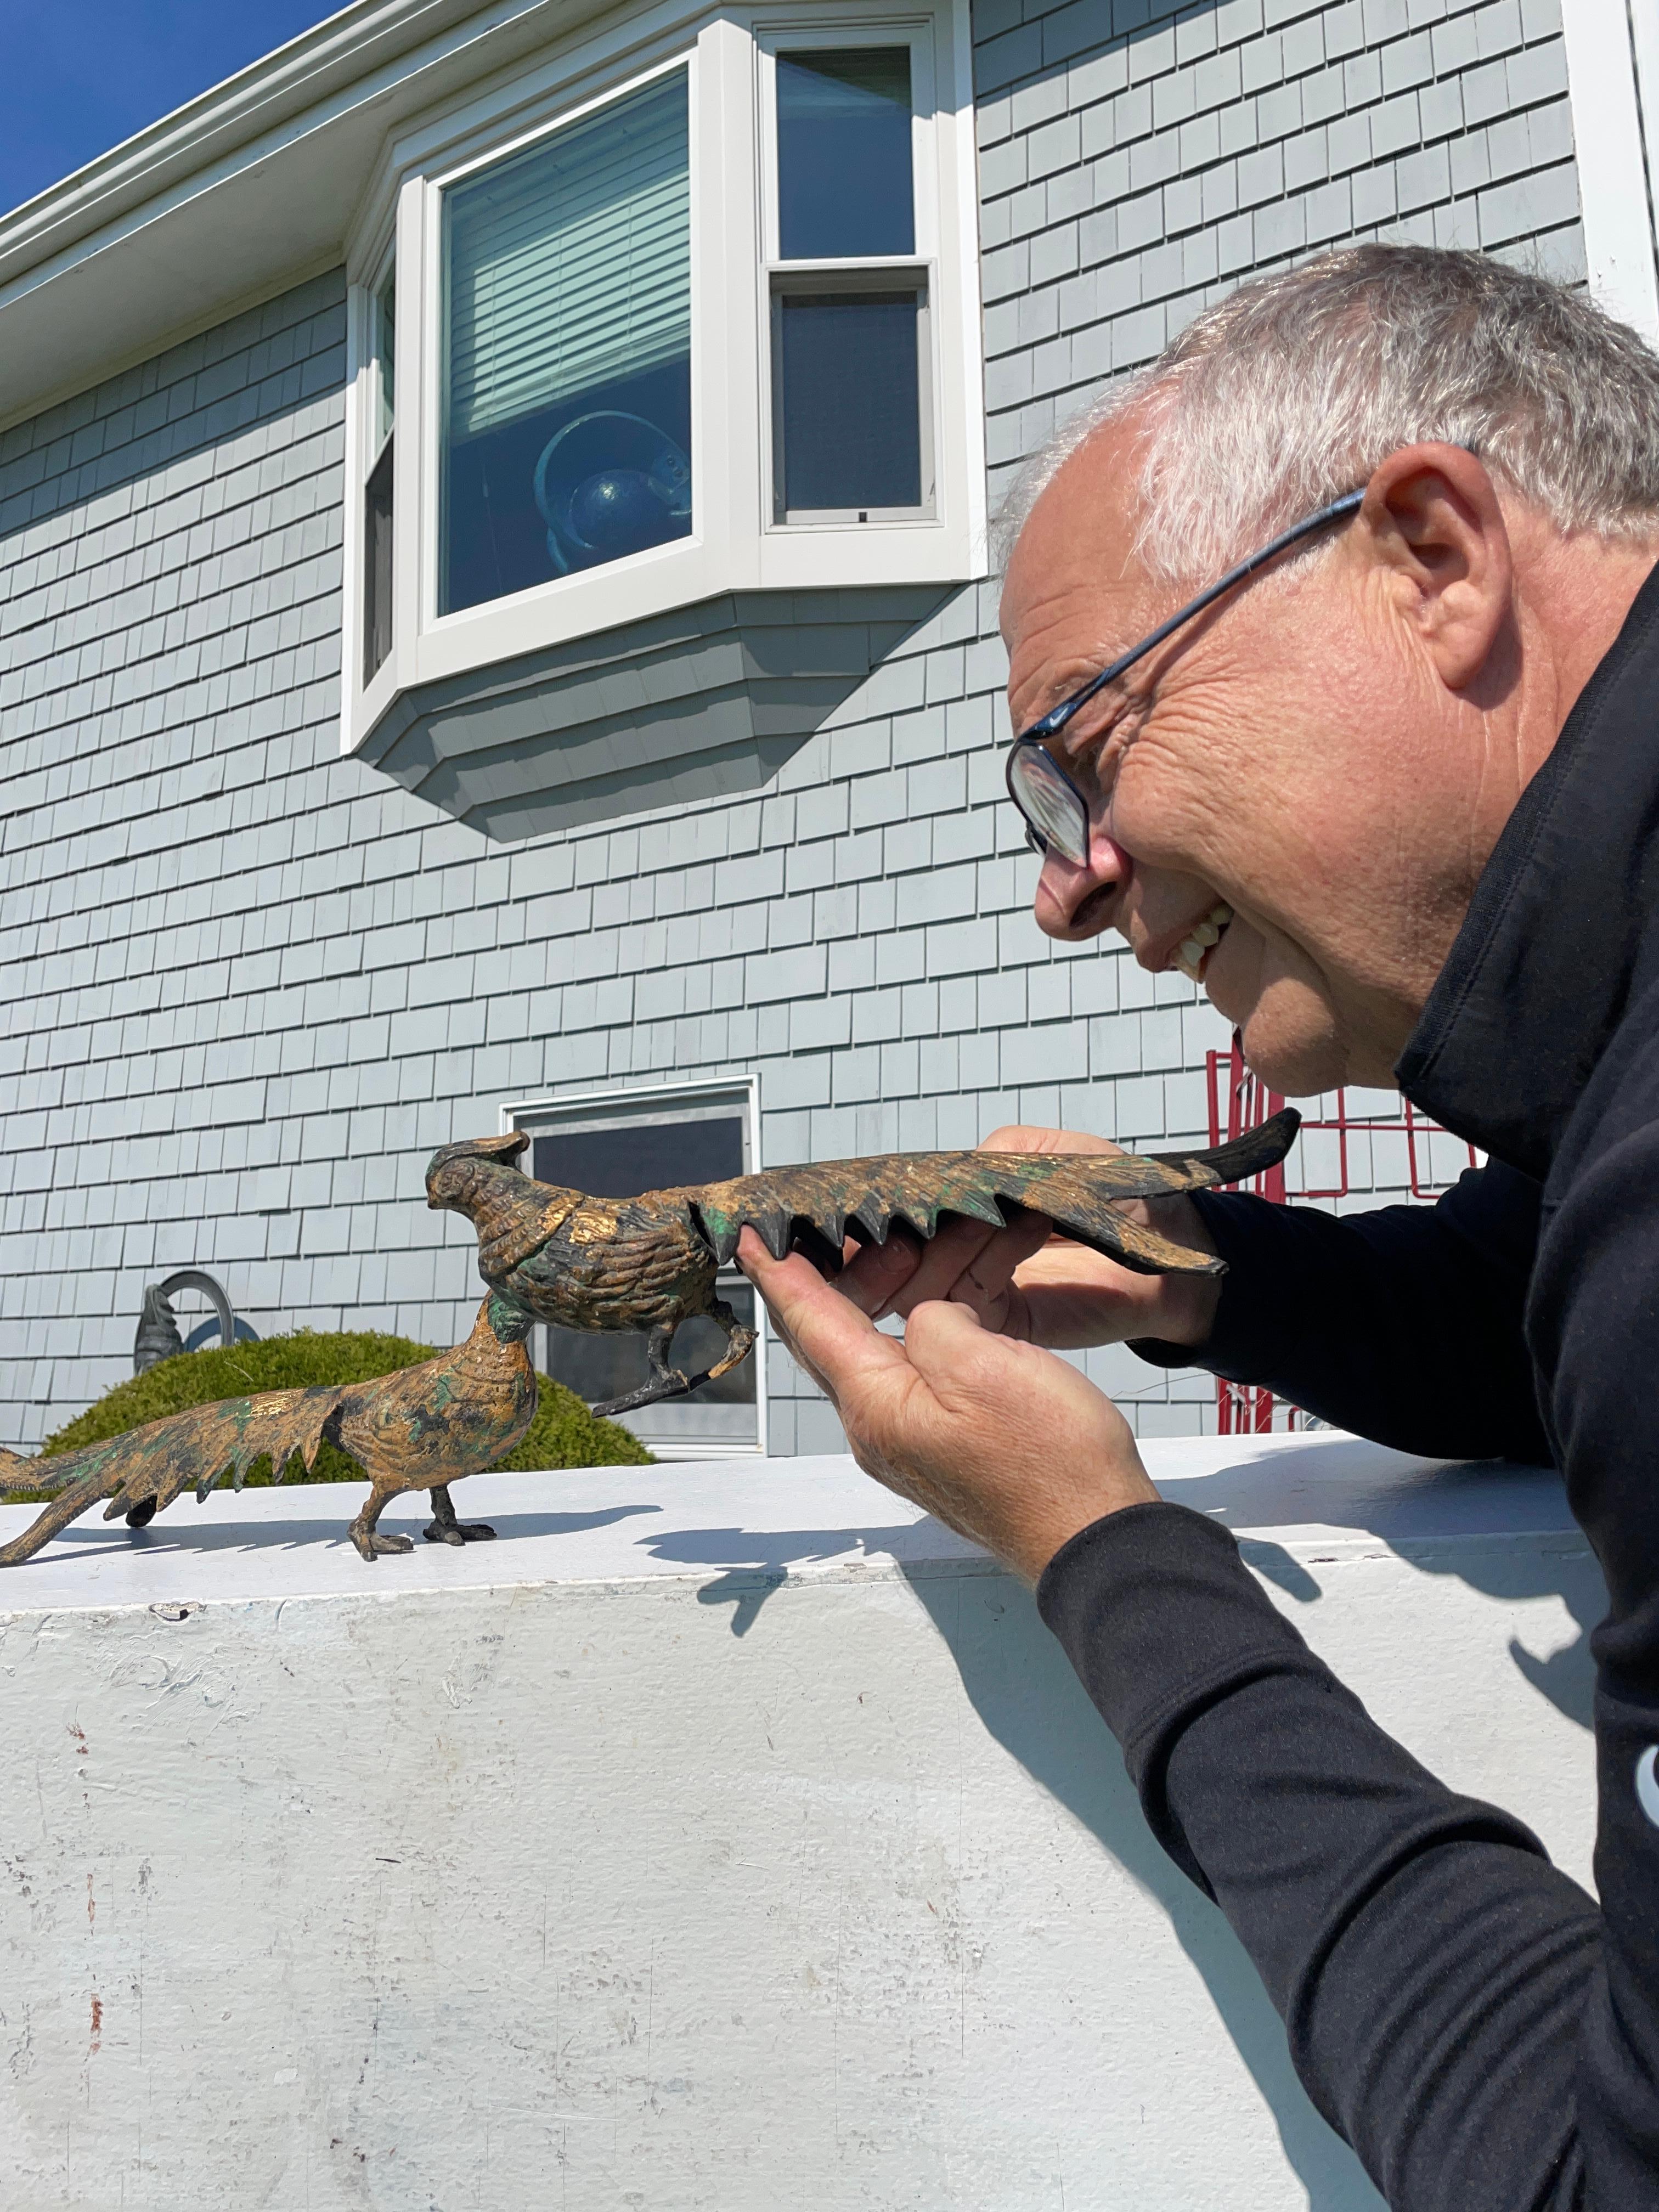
563 1434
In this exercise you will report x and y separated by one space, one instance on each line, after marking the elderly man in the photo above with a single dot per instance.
1392 796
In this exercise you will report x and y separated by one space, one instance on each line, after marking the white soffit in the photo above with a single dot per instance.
253 184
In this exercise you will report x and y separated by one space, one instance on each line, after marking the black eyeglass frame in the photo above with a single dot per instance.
1055 720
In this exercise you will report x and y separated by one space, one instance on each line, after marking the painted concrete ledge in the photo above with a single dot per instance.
725 1835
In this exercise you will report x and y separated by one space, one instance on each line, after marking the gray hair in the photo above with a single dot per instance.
1291 390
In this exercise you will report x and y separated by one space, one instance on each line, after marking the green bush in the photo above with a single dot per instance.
563 1434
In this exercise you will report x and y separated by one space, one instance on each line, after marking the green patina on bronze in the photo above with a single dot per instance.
419 1428
641 1265
647 1264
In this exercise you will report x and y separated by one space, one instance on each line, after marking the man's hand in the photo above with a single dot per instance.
1038 1288
1004 1442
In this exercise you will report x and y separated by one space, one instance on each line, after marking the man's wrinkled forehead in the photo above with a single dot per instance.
1076 556
1077 592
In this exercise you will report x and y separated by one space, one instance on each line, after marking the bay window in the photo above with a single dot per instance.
680 318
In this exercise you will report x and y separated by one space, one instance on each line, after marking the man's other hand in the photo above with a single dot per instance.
1038 1288
1002 1442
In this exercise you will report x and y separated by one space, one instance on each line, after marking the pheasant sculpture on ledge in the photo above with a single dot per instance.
641 1266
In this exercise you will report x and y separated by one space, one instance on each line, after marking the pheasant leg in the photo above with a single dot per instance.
740 1342
668 1382
665 1381
364 1534
445 1528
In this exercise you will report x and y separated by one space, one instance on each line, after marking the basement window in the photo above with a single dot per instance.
616 1146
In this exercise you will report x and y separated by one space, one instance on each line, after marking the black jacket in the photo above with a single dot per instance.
1486 2038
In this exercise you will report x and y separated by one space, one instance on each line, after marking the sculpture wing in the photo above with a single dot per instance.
813 1208
150 1466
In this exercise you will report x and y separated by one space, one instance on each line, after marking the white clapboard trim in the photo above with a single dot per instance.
1614 160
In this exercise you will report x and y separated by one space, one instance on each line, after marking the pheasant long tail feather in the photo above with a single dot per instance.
17 1473
197 1447
813 1208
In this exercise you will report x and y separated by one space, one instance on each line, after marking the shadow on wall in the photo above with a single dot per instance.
1412 1506
1027 1697
1019 1684
1021 1687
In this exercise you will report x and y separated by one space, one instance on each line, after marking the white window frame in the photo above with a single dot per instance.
363 446
654 1101
736 543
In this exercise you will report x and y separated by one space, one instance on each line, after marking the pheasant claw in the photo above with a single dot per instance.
445 1528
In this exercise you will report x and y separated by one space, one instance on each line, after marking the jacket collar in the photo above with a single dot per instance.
1562 921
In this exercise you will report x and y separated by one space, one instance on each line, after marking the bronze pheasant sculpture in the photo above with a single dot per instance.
645 1265
420 1428
637 1264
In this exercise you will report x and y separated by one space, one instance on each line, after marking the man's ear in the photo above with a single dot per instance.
1437 529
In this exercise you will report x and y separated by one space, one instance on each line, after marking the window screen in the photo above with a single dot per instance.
622 1162
850 399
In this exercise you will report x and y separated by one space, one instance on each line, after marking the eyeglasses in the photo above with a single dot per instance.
1055 811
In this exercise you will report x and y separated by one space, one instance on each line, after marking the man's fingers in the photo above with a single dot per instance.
953 1249
877 1273
966 1260
838 1346
984 1282
1021 1137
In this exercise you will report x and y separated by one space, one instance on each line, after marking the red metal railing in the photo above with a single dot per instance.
1238 1102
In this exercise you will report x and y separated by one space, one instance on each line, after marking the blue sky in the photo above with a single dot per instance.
79 75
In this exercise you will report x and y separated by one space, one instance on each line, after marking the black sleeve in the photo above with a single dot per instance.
1431 1966
1403 1325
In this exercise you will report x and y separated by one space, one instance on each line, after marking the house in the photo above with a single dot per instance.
496 624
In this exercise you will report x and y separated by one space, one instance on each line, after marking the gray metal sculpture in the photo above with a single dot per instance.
158 1336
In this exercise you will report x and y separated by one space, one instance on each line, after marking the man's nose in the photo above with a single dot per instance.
1075 901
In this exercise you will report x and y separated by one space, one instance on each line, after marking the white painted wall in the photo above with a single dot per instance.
722 1836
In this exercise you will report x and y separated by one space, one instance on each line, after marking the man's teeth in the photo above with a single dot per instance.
1191 951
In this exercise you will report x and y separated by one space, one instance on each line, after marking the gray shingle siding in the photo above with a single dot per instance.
249 984
1211 144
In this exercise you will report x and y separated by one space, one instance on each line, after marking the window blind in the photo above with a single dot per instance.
571 264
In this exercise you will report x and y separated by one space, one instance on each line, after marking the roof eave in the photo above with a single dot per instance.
143 245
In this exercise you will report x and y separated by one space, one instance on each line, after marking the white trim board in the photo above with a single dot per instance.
1614 156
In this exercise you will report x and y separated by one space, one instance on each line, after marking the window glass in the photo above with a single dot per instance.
844 181
849 400
377 564
568 412
385 351
600 1367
